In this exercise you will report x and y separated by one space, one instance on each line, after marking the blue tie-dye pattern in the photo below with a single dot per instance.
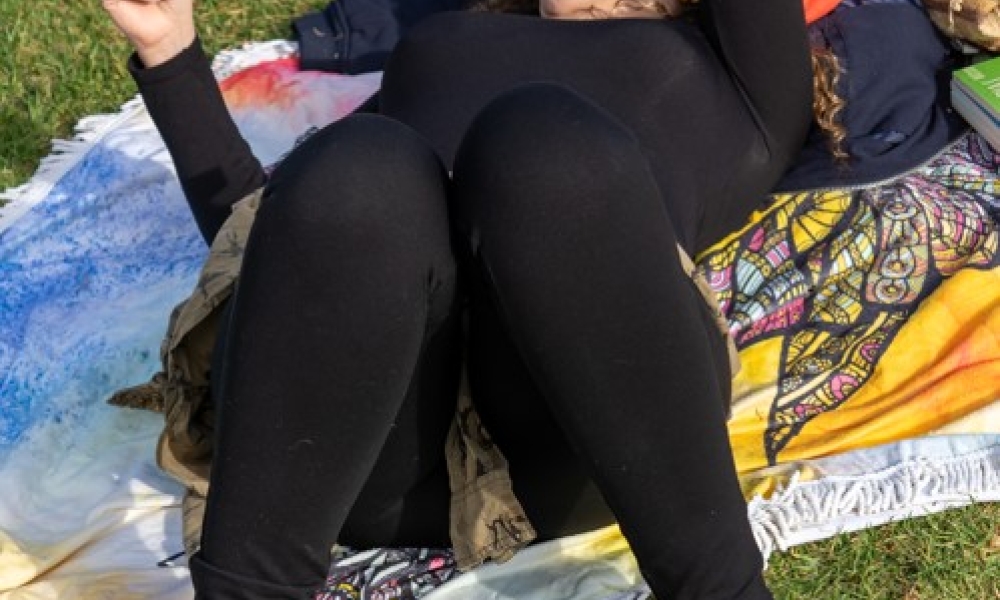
87 279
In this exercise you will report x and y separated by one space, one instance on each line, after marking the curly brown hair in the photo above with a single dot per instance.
827 104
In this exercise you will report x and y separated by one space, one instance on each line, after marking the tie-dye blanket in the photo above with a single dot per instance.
868 321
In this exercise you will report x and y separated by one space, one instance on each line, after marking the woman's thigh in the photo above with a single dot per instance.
550 480
335 379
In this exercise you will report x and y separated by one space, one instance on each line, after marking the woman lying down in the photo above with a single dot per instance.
542 177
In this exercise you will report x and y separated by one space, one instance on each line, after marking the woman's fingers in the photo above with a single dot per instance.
158 29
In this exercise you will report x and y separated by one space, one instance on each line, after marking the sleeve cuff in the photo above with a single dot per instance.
192 58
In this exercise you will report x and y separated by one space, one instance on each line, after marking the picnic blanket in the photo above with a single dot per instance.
868 321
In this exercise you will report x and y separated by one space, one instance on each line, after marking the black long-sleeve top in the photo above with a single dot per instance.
720 107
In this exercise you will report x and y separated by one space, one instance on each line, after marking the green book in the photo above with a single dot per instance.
981 81
974 113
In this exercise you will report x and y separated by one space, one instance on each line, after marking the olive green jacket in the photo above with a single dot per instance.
487 521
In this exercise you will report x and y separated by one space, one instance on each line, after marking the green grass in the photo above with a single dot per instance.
63 61
949 556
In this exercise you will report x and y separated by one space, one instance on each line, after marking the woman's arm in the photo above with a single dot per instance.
763 44
214 163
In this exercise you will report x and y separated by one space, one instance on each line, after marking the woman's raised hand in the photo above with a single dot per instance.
158 29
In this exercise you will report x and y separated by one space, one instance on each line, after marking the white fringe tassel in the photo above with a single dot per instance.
228 62
809 511
65 155
91 130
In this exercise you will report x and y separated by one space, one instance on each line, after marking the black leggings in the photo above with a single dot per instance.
594 362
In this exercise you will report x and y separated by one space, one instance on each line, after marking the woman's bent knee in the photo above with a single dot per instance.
365 180
541 155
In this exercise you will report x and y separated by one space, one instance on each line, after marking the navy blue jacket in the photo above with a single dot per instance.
895 85
356 36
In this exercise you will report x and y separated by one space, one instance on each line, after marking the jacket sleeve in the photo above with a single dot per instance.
214 163
764 46
357 36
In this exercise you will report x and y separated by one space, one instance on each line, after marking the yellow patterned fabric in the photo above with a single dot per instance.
865 316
